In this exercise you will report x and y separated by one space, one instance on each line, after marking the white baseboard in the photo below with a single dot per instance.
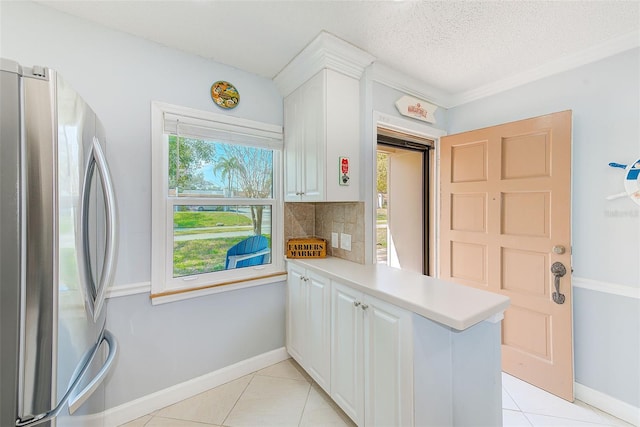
608 404
152 402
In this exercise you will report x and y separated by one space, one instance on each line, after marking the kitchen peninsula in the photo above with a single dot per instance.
392 347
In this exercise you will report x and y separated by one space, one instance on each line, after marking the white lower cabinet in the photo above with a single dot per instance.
308 323
387 366
347 337
371 358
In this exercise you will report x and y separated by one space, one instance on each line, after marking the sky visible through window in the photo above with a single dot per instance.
214 236
219 169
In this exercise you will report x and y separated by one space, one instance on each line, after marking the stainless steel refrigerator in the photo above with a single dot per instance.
58 229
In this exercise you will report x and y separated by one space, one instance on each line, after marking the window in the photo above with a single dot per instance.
216 205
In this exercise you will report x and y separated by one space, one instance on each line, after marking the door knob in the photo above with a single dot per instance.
558 269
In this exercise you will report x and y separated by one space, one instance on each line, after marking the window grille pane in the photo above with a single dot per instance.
200 168
209 238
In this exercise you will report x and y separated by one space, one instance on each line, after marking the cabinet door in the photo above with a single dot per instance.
292 147
313 137
388 364
318 348
296 312
342 137
347 386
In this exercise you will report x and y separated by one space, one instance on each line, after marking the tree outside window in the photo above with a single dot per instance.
214 173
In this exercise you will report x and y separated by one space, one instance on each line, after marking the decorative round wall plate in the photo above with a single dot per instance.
224 94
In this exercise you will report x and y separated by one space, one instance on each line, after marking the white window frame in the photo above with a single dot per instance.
184 121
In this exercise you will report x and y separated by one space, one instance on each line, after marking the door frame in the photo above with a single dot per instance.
411 127
396 150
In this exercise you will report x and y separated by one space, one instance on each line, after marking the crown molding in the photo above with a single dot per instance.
328 51
383 74
586 56
325 51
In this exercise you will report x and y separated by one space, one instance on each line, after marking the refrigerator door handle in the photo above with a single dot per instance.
95 295
73 398
76 399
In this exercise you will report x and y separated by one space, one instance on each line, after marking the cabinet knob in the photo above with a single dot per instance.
364 306
356 303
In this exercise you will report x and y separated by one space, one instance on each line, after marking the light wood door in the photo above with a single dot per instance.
505 220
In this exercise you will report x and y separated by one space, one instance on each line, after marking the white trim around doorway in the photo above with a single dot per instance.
411 127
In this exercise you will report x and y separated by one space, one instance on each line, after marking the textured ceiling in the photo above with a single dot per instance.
452 45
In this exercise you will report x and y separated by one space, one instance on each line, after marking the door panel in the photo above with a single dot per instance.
346 351
526 156
468 212
469 162
525 214
506 203
537 341
296 313
469 263
314 138
388 364
524 272
318 354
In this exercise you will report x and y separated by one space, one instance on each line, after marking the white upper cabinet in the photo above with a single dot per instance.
322 120
321 126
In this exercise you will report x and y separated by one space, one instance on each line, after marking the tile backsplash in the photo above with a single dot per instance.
321 219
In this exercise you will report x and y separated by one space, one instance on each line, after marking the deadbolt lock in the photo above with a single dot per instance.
559 249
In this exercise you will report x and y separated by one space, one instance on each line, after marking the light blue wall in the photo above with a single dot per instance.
605 99
606 340
167 344
384 101
119 76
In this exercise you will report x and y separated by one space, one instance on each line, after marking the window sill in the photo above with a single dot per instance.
182 294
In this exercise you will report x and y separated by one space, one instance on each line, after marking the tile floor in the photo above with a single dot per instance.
284 395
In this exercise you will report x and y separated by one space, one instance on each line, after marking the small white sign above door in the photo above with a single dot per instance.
417 109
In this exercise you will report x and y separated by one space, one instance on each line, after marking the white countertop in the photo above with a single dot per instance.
450 304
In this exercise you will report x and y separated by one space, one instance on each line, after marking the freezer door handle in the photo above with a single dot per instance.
78 398
95 295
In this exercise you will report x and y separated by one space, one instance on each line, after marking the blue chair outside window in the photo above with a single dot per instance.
251 251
